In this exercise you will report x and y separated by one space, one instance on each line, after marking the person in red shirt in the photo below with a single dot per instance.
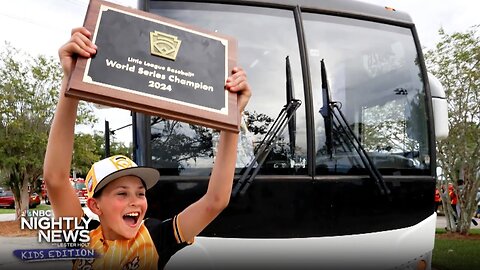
453 200
438 200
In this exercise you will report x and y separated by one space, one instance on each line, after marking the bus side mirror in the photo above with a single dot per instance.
440 107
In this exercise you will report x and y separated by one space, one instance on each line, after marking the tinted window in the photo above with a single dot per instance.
6 194
266 37
375 80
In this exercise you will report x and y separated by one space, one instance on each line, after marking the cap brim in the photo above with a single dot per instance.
149 176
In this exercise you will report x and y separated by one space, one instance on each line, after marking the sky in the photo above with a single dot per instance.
42 26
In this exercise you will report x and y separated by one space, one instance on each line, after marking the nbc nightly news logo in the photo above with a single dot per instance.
70 234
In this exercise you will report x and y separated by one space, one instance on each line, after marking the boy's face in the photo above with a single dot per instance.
122 206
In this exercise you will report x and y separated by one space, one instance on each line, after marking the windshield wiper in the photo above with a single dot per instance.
292 123
267 144
326 111
331 111
286 116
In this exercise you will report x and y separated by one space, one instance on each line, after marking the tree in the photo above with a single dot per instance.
116 147
88 149
85 153
456 63
28 95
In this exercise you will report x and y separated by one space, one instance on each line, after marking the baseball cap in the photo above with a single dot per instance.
111 168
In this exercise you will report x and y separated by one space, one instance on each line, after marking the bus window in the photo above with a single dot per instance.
374 76
183 149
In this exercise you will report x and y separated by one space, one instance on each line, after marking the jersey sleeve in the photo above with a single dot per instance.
167 238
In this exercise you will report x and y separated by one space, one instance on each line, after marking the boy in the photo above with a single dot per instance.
116 186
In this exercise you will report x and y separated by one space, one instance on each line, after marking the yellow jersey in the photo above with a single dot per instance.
151 248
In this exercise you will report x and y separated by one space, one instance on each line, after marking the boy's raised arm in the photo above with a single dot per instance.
58 157
197 216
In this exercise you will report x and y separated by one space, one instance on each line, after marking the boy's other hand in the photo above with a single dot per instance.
237 83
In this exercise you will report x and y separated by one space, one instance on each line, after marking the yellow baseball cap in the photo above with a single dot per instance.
111 168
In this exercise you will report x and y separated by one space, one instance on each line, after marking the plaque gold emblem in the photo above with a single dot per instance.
164 45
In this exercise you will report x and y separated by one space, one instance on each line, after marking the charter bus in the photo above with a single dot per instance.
336 159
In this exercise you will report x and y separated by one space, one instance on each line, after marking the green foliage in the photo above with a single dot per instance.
456 254
119 148
116 148
84 153
41 206
28 96
89 149
455 62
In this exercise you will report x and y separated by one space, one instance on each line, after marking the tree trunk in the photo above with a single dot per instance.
448 211
22 197
467 199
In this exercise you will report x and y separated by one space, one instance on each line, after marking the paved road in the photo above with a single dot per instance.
442 222
7 217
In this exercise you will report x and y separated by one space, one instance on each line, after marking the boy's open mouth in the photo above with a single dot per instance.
131 218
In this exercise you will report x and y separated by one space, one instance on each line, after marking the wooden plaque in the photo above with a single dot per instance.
158 66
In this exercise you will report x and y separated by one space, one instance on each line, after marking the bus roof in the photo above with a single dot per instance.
351 8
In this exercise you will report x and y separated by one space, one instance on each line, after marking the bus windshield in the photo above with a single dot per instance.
182 149
374 77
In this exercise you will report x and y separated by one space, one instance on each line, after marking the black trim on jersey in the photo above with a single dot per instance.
175 224
164 239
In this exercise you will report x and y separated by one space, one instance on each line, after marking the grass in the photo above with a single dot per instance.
7 211
12 211
457 254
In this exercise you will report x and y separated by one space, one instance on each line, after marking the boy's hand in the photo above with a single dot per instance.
237 83
78 45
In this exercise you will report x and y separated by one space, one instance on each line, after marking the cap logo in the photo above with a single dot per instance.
91 182
121 162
